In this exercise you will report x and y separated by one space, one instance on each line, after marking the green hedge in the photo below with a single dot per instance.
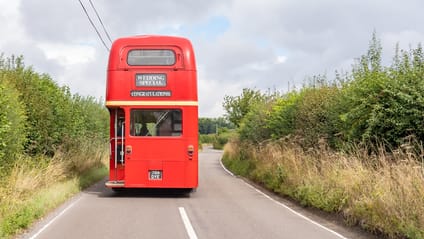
372 104
38 117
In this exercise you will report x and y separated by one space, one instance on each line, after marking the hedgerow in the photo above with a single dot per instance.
49 138
353 145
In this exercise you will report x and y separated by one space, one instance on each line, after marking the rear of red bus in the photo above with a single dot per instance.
151 95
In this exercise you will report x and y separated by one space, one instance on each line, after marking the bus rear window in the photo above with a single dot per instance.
161 122
149 57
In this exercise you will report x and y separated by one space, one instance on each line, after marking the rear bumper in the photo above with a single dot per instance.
115 184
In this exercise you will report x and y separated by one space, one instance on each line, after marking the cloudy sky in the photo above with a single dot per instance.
261 44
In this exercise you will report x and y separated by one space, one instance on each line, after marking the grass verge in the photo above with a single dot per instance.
19 215
383 193
37 186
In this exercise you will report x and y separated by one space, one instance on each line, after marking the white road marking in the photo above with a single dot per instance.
189 228
54 219
286 207
226 170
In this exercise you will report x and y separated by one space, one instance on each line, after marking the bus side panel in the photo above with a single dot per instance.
191 132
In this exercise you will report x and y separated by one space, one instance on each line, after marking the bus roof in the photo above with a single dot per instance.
151 42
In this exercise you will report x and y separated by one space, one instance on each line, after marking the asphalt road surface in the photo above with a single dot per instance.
224 206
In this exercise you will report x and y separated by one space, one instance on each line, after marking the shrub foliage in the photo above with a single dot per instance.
38 117
371 104
360 135
48 138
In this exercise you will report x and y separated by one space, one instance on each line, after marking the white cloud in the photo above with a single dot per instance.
280 59
10 25
68 55
257 44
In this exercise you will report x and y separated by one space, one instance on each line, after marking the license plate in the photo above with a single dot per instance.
155 174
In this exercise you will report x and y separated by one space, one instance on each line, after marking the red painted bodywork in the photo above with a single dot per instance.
170 154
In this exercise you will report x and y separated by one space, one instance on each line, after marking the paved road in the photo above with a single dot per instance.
224 206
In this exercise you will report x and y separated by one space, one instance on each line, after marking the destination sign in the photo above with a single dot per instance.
150 80
150 93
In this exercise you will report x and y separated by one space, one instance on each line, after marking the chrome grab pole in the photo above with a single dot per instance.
122 143
116 144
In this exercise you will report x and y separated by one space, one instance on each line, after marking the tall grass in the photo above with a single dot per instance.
383 192
37 185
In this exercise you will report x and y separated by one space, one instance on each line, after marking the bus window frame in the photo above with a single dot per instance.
179 132
149 49
179 56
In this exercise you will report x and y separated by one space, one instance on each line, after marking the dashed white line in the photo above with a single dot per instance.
189 228
287 207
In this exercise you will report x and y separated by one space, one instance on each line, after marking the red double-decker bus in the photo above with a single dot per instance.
151 94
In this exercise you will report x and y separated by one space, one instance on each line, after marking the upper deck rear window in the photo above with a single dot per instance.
149 57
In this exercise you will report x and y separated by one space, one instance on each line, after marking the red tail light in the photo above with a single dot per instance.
190 151
128 149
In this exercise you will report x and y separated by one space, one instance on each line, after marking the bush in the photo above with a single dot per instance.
372 105
253 126
223 138
12 124
53 115
206 138
374 108
385 105
281 120
237 107
47 135
217 141
317 115
237 160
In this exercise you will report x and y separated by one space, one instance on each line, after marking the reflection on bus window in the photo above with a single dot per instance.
148 57
157 122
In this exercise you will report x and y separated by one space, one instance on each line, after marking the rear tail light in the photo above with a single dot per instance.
128 149
190 151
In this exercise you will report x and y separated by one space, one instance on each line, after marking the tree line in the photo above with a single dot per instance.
39 117
372 104
214 125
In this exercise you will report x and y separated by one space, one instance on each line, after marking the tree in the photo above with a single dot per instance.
385 104
12 124
237 107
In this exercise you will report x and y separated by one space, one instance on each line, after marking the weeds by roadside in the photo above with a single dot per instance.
383 193
36 186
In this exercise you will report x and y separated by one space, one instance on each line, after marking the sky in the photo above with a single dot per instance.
257 44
